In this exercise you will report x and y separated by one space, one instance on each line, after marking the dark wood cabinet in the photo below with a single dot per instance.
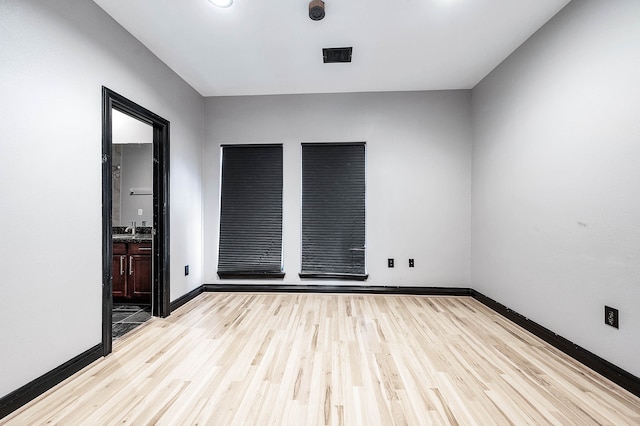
119 270
131 271
140 270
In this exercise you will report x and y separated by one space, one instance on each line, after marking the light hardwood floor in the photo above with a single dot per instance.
310 359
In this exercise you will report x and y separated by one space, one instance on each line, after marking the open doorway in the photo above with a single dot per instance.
146 244
132 219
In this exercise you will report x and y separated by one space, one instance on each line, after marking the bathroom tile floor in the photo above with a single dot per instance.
127 317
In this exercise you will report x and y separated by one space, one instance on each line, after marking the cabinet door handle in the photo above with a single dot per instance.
144 248
122 265
130 265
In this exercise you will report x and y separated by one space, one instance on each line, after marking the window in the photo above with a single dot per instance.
333 211
251 212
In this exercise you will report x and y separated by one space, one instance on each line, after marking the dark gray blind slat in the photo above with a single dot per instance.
333 208
251 209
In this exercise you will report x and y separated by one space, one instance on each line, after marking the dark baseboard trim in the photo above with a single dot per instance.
426 291
580 354
37 387
185 298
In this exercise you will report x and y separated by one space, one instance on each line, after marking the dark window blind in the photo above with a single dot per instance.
251 212
333 211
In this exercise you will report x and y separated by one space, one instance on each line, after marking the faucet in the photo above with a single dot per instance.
131 228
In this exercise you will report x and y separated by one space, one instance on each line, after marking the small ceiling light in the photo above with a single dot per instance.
221 3
316 10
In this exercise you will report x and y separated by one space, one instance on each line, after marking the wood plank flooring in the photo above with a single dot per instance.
319 359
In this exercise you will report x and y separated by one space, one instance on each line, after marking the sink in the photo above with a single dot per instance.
124 236
132 237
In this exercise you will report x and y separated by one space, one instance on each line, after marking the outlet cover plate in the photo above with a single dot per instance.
611 316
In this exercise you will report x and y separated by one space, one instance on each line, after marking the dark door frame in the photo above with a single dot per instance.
160 288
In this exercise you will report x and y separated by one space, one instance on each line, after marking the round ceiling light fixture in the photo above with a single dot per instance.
221 3
316 10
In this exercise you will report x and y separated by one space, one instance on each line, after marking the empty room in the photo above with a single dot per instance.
305 212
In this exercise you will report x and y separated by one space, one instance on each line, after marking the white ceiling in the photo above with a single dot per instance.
258 47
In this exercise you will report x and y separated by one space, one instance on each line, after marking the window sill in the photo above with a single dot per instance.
253 275
334 276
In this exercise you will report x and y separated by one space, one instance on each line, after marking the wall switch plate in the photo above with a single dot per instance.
390 263
186 270
139 212
611 316
411 263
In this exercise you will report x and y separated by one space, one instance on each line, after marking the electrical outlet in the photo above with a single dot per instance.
411 263
186 270
611 316
390 263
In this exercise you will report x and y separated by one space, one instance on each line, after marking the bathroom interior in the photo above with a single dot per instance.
132 220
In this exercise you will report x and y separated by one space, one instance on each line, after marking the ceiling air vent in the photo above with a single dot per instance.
336 54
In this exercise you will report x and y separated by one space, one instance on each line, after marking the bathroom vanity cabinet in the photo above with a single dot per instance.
131 271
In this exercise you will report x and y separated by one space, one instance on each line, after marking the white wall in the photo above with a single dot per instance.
133 154
126 129
556 178
55 58
418 175
136 173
